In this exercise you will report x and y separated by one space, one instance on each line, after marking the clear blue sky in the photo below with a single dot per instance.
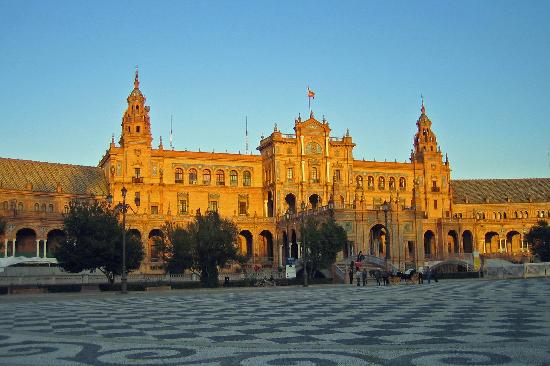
66 68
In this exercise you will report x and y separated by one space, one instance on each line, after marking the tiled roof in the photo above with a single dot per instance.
45 177
501 190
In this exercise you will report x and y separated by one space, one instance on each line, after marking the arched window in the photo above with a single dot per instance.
206 177
220 178
66 209
178 175
192 176
50 207
5 205
392 183
233 178
43 207
381 183
526 215
36 207
515 214
402 183
20 206
247 179
359 180
370 182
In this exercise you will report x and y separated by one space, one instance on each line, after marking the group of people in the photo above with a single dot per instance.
361 275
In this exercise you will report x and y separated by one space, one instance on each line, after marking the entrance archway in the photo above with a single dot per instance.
293 245
467 241
290 200
286 249
155 236
25 243
377 238
491 242
247 247
513 242
267 245
314 201
429 244
452 242
54 238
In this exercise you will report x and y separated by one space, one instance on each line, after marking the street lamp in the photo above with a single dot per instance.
386 207
124 279
304 243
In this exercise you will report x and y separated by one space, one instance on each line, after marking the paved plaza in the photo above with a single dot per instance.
468 322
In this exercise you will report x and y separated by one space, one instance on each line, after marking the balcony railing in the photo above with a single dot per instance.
137 179
436 189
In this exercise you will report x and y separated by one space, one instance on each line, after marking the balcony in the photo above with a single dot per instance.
436 189
137 179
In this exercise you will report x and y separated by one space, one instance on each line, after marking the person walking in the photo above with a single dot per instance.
350 273
428 274
364 275
358 275
420 278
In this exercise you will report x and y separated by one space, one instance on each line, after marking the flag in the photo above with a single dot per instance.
310 93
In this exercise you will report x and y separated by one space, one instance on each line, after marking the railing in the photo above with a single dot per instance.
137 179
518 270
289 135
436 189
336 139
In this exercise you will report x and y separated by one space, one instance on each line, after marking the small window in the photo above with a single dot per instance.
290 174
66 209
381 183
359 180
5 205
370 181
43 207
314 175
137 172
213 206
337 176
220 178
36 207
50 207
435 204
247 179
178 175
20 206
138 129
402 183
182 206
233 178
192 176
206 177
154 210
392 183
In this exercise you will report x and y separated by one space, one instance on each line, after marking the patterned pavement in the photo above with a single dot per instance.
469 322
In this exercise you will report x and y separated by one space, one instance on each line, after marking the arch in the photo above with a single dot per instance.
429 244
233 178
36 207
267 245
513 242
342 201
20 206
359 181
315 201
54 238
491 242
402 183
220 177
178 175
192 176
206 177
370 182
293 245
377 238
290 200
246 244
467 241
286 248
135 233
25 243
391 183
154 251
452 242
270 204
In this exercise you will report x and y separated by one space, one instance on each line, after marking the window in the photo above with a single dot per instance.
206 178
138 128
50 207
66 209
402 183
137 172
381 183
246 179
370 182
243 208
337 176
20 206
43 207
359 181
220 178
435 204
192 176
290 174
392 183
137 198
213 206
314 176
178 175
5 205
182 206
154 210
233 178
36 207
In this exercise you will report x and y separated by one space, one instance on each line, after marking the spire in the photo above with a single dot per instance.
423 109
136 79
160 144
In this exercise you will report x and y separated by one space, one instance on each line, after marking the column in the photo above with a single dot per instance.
38 248
45 243
5 248
299 254
13 247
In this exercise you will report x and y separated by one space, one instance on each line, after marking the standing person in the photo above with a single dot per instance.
364 275
350 273
428 274
358 275
360 256
420 277
377 276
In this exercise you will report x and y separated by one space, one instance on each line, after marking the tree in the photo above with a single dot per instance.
539 238
206 244
323 240
94 241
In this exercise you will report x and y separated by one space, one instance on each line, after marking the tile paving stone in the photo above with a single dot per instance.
452 322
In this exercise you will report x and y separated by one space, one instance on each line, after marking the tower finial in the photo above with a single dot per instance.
423 109
136 79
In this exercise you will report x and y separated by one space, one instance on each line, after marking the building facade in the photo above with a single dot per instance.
406 213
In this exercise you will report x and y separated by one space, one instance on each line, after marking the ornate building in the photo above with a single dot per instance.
408 213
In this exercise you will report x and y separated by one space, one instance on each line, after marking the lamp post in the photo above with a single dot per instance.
124 279
386 207
304 243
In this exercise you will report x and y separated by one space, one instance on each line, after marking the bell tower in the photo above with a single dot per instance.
425 141
136 127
